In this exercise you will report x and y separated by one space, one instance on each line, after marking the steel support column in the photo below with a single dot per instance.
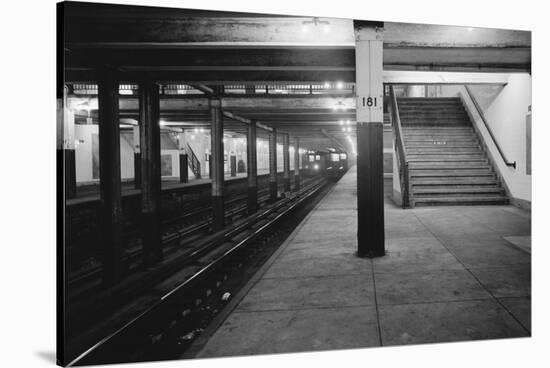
216 164
297 164
149 117
233 165
273 190
286 163
183 159
110 203
369 110
184 167
137 158
68 147
252 168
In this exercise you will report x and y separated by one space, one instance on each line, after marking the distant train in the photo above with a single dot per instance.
333 164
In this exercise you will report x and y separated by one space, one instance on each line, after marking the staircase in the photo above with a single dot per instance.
194 162
447 165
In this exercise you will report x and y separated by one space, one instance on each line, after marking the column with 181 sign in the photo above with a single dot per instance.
369 110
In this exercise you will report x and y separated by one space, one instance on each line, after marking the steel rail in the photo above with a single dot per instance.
401 151
488 127
187 285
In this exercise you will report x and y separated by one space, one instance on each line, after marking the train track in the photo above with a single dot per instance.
181 231
170 323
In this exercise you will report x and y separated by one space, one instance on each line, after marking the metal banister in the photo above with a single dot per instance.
403 164
195 163
480 112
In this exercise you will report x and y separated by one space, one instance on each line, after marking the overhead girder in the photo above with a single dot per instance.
395 59
184 45
309 103
125 25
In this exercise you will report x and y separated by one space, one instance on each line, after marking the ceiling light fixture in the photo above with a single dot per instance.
315 21
339 106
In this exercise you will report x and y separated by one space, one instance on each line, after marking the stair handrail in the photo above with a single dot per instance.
195 163
403 164
488 127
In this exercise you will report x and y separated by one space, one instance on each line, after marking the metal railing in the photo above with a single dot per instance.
195 163
402 162
488 127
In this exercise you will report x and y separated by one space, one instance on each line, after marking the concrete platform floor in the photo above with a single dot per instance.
450 274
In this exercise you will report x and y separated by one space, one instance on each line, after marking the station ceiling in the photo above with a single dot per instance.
220 48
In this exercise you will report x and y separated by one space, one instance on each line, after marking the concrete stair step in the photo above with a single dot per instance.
439 109
476 165
429 124
428 132
432 117
463 174
461 201
413 111
444 109
453 182
441 144
442 147
413 114
433 122
443 191
441 153
422 122
437 130
429 100
423 160
440 150
443 129
436 143
442 106
441 138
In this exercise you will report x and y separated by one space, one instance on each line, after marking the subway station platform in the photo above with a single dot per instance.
450 274
90 192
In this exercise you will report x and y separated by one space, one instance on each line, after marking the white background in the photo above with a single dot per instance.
27 200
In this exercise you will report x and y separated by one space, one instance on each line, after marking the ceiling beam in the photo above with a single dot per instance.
124 26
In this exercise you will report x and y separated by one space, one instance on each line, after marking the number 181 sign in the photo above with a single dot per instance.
369 108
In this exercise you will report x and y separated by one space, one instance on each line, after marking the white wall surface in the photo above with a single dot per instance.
84 156
506 115
505 109
83 152
416 91
200 144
